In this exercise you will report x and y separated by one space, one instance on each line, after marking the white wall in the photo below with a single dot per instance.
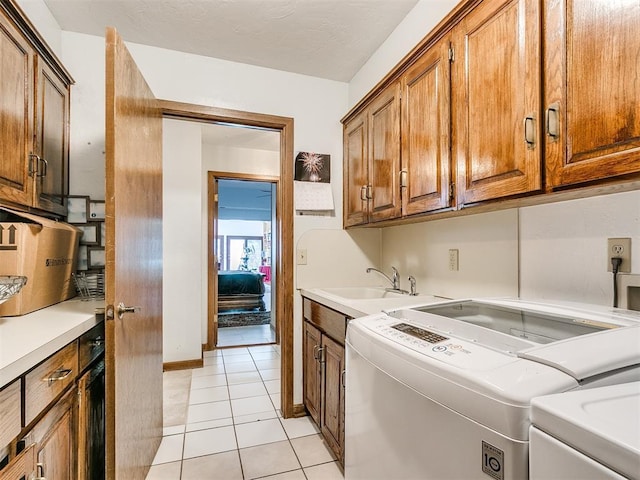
488 254
563 247
183 309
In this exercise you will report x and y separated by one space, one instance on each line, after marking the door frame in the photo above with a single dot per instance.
212 235
284 209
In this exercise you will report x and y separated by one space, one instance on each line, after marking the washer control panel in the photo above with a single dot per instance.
420 333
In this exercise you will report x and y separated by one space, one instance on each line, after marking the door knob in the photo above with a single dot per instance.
122 309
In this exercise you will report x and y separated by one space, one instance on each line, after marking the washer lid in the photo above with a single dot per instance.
590 355
603 423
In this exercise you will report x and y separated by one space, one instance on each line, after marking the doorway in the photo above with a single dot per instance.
243 212
283 262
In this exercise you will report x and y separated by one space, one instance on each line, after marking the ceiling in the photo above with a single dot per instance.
329 39
245 200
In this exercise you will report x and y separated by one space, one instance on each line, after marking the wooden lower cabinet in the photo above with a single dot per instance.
332 418
54 438
91 424
312 385
23 467
323 372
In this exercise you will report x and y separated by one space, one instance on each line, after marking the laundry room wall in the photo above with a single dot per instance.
563 246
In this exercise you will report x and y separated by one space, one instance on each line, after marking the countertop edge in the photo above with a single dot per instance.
81 318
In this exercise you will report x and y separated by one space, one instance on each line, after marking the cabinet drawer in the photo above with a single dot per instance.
49 379
333 323
90 346
10 407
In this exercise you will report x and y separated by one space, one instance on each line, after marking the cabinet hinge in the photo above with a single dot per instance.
215 197
451 54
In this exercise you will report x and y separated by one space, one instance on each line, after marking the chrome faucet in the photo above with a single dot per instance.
412 282
394 280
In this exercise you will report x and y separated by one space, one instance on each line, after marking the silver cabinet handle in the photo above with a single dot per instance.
343 379
40 472
45 166
530 132
363 193
58 375
369 192
321 354
403 178
315 352
96 342
553 121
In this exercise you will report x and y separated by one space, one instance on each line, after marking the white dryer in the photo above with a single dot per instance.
444 391
586 435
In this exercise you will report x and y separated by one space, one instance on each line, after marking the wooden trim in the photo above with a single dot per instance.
439 31
182 365
212 286
212 266
299 410
285 216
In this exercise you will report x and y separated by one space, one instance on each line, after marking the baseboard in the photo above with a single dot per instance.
299 410
182 365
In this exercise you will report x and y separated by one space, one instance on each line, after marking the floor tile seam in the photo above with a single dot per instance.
281 473
209 454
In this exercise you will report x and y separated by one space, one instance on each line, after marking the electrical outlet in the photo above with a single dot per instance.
620 248
301 256
453 259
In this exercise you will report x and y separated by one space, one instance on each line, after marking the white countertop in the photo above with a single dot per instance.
360 307
27 340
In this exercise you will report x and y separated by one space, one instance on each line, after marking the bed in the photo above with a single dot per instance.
240 290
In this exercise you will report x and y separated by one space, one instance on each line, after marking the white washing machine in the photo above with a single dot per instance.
444 391
586 435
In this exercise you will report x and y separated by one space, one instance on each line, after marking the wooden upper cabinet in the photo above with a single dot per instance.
16 114
34 118
384 155
592 91
356 171
496 78
52 140
426 162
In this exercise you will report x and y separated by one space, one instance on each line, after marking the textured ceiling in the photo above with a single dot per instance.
324 38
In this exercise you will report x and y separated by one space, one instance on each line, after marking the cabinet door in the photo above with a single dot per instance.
91 424
356 172
333 394
496 74
22 467
384 155
55 440
16 115
312 370
426 136
592 95
52 140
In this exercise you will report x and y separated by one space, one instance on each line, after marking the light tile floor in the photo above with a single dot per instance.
223 422
249 335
